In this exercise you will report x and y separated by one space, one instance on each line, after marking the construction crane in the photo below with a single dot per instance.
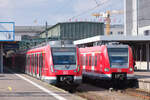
107 16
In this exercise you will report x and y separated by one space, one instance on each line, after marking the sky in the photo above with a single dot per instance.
37 12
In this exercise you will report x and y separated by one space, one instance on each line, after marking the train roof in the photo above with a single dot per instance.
98 48
61 43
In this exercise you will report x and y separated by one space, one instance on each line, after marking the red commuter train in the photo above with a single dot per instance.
108 62
54 63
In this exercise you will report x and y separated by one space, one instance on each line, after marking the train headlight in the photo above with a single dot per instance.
106 69
131 69
52 68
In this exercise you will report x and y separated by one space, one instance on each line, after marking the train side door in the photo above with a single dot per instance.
93 62
83 61
26 66
44 67
32 64
40 65
88 63
35 64
30 57
97 62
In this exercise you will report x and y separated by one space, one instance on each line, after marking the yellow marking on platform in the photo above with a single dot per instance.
10 89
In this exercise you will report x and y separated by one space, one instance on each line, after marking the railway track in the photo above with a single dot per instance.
138 93
90 92
94 91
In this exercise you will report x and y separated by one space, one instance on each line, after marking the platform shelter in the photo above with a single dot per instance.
7 35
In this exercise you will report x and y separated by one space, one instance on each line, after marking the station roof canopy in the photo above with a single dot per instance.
117 38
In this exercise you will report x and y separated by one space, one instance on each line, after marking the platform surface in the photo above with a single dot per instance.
14 87
142 75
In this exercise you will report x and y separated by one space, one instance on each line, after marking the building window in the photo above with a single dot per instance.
147 32
120 33
111 33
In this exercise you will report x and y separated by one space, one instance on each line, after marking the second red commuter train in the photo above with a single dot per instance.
107 62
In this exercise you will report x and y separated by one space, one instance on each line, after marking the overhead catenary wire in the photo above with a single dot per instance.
88 10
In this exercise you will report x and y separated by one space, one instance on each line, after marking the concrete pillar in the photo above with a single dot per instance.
147 55
141 53
128 17
135 17
1 58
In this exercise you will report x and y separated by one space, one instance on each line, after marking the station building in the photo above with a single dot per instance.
73 30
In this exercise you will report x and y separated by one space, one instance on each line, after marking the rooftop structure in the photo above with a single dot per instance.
73 30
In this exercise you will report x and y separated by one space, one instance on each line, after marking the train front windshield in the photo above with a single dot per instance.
64 58
118 57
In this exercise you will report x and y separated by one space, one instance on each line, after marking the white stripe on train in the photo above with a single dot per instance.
103 75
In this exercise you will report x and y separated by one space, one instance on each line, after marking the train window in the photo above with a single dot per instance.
28 65
33 60
43 59
92 60
26 60
95 60
83 60
37 60
98 59
89 60
86 60
32 64
35 64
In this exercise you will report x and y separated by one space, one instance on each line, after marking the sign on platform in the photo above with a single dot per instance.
7 31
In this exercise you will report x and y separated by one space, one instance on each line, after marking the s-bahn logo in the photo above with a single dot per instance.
119 70
67 66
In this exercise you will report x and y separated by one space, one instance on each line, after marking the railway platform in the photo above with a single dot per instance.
23 87
143 80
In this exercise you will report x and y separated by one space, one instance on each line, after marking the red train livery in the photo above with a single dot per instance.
107 62
54 63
